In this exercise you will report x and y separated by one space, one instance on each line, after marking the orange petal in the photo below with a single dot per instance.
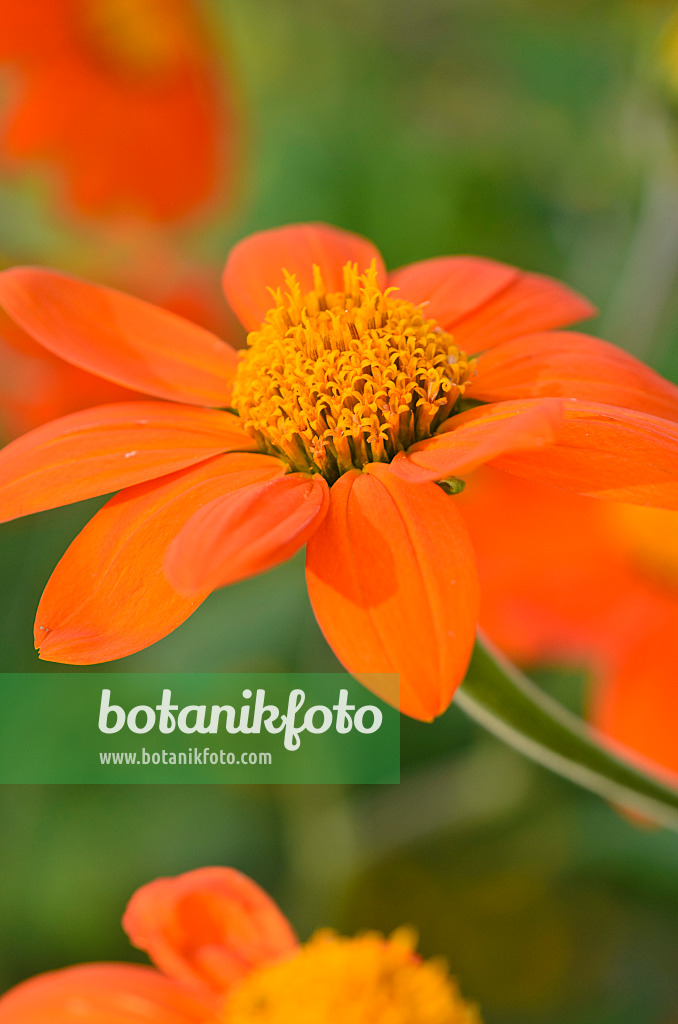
246 532
120 337
453 286
256 264
100 450
483 302
569 365
551 570
103 994
36 386
636 698
478 435
606 452
208 928
108 596
392 580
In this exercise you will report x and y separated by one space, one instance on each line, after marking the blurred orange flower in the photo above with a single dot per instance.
124 96
349 405
225 954
569 580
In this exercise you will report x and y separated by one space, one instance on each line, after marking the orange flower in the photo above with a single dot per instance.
349 406
123 96
225 954
569 580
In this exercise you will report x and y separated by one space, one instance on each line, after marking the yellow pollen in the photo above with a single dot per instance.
332 381
366 980
137 37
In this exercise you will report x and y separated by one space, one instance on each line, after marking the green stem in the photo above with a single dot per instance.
503 700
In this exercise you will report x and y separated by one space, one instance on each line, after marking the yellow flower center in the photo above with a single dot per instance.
366 980
137 37
650 535
332 381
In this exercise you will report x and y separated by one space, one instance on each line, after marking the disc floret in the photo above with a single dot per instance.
334 380
366 980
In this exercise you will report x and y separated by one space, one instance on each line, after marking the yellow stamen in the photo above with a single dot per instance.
331 381
366 980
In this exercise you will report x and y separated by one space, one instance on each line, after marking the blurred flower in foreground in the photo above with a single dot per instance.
124 97
569 580
225 954
349 407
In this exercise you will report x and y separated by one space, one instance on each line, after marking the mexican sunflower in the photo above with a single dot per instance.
569 580
361 402
124 97
225 954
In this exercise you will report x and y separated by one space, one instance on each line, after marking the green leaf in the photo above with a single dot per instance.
503 700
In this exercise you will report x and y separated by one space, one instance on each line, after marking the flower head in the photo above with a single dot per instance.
359 392
335 380
225 954
122 96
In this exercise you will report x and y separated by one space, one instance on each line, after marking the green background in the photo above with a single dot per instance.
533 131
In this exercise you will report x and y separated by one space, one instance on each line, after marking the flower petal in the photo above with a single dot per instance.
453 286
103 994
120 337
392 580
551 571
636 698
101 450
256 264
36 386
606 452
483 302
108 596
479 435
246 532
208 928
571 365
